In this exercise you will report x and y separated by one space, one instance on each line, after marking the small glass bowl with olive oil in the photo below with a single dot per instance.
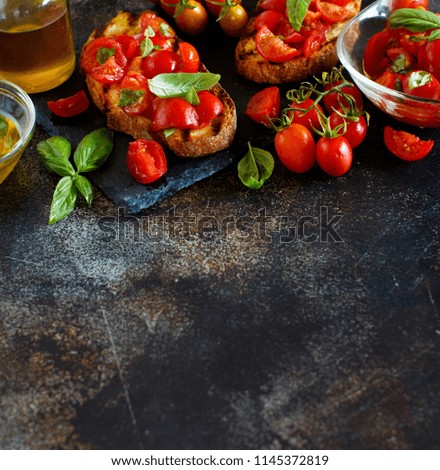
17 121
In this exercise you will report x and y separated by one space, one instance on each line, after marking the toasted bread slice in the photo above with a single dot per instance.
215 136
254 67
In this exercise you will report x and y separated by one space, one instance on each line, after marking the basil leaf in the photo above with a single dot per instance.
104 54
255 167
296 12
434 35
93 150
146 47
54 153
168 132
128 96
413 19
192 97
168 85
4 127
64 199
85 187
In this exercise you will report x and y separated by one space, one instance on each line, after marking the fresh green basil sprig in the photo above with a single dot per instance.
416 20
182 85
90 154
255 167
296 12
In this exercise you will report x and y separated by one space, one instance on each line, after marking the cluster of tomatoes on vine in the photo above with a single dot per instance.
192 16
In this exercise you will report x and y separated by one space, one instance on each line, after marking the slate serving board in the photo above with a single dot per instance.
217 52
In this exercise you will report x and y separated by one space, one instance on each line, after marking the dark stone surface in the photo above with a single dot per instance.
204 322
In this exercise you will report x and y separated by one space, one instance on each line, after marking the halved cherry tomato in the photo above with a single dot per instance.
406 146
70 106
272 47
161 61
422 84
334 155
130 45
375 57
104 60
193 20
309 119
174 112
278 5
331 13
264 105
234 21
135 81
190 58
334 100
270 18
209 108
356 130
296 148
146 161
428 57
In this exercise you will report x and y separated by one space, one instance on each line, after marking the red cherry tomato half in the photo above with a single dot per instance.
209 108
309 119
355 130
137 82
190 58
264 105
70 106
174 112
296 148
422 84
272 47
406 146
162 61
334 155
146 161
130 45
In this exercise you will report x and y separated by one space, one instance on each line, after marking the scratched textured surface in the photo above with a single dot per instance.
207 322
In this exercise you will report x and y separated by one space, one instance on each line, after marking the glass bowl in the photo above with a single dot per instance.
16 107
350 47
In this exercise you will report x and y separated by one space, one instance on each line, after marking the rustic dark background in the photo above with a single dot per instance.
207 322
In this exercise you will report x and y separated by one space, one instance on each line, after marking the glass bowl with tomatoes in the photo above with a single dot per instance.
397 68
17 121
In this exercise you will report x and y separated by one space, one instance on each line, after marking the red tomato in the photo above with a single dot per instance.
146 161
428 57
104 60
278 5
272 47
150 19
422 84
137 82
174 112
356 130
395 4
194 19
285 30
264 104
129 44
169 6
314 40
334 155
375 57
209 108
70 106
190 58
214 8
309 119
270 18
331 13
391 80
405 145
234 21
296 148
334 100
161 61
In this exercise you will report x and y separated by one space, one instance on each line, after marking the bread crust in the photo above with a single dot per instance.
190 143
250 64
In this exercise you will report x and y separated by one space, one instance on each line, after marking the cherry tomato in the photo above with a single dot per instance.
334 155
234 21
174 112
130 45
271 19
194 19
428 57
146 161
272 47
214 8
278 5
190 58
161 61
169 6
396 4
406 146
422 84
310 119
209 108
334 100
356 130
264 104
70 106
104 60
158 25
331 13
296 148
135 81
375 57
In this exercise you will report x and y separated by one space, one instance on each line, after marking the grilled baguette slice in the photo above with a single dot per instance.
254 67
198 142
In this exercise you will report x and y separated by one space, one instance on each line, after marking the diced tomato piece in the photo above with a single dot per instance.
70 106
135 81
146 161
264 105
130 45
314 40
273 48
277 5
209 108
190 60
391 80
289 35
174 112
331 13
161 61
311 17
270 19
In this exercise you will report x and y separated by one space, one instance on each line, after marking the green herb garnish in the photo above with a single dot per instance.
255 167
